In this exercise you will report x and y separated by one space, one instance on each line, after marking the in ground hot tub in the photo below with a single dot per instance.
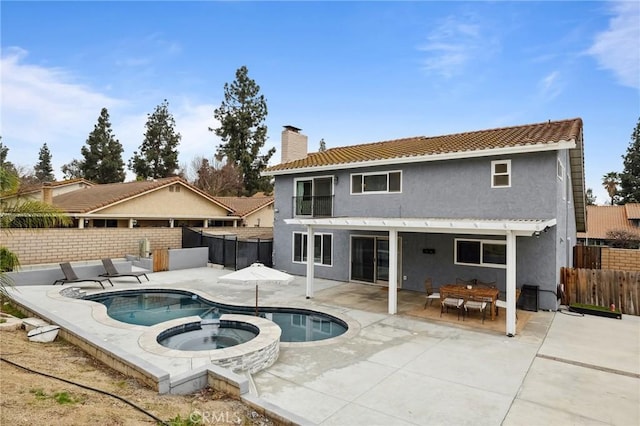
208 335
242 343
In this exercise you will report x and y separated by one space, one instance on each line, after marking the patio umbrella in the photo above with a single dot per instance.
257 273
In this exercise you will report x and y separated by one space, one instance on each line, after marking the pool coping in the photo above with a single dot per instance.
99 313
132 364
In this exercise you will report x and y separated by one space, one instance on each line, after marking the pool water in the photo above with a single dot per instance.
149 307
208 335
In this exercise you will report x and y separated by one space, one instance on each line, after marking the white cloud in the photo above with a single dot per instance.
50 105
618 48
41 105
453 44
550 86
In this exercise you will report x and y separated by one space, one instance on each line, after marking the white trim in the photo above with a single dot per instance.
494 174
378 173
302 244
522 149
560 170
523 227
312 178
482 243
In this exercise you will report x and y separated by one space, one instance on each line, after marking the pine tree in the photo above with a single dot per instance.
44 169
158 157
4 163
102 154
243 132
630 176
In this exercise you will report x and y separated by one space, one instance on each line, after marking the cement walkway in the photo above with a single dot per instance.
403 370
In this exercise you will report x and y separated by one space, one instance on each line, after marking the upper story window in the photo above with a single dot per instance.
314 196
376 183
501 174
480 252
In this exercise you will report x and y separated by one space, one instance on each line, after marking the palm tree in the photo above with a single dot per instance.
610 181
22 214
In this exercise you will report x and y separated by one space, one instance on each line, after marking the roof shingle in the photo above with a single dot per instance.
243 206
602 219
531 134
94 197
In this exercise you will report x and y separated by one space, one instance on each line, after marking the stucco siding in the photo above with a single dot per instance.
262 218
447 189
165 203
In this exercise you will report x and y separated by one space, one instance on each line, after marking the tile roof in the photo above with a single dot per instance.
95 197
632 210
601 219
243 206
37 187
541 134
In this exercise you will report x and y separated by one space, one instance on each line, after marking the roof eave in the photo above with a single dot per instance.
522 149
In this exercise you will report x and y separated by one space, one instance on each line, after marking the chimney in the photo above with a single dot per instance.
294 145
47 193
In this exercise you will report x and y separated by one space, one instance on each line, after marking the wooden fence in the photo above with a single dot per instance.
589 257
602 287
160 260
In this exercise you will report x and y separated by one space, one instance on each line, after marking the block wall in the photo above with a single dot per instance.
36 246
620 259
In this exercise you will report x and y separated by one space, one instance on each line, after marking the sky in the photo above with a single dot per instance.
346 72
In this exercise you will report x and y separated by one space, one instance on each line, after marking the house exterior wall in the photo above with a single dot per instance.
262 218
167 203
456 189
72 244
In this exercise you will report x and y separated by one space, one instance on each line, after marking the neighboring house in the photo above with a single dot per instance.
161 202
603 219
256 211
499 205
37 192
164 202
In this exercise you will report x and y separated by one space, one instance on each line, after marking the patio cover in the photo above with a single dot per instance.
510 228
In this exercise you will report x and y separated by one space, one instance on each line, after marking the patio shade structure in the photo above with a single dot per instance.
257 273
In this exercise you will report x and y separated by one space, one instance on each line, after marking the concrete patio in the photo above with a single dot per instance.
414 368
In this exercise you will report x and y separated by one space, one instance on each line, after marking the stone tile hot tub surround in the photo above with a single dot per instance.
252 356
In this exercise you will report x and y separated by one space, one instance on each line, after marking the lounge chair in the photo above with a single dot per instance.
112 272
70 276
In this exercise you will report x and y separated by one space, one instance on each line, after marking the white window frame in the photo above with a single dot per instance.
303 247
312 179
494 174
365 192
482 243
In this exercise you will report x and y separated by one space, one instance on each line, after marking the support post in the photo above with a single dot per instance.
511 284
310 260
393 271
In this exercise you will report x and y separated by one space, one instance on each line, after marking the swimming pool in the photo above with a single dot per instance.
152 306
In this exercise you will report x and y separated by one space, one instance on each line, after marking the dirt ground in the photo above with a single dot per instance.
28 398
